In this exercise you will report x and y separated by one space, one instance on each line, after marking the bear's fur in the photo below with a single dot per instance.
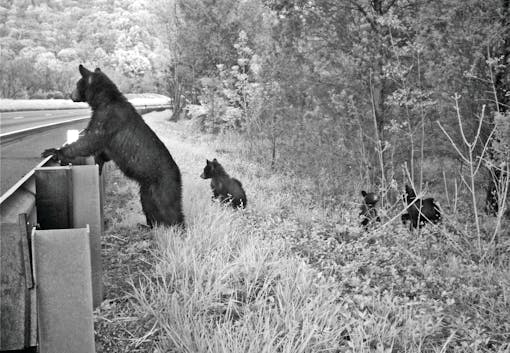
492 199
225 188
368 212
116 129
100 158
422 211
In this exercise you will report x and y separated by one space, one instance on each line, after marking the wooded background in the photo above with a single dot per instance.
329 89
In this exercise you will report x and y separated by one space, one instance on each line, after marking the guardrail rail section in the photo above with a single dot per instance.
51 281
50 252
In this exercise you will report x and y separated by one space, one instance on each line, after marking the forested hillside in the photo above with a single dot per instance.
44 41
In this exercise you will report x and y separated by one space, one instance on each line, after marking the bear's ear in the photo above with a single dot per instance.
83 71
363 193
215 160
207 161
97 70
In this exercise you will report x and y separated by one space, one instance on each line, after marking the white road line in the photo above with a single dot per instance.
18 117
7 134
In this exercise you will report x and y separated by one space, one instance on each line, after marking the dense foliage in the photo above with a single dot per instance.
330 97
44 41
359 81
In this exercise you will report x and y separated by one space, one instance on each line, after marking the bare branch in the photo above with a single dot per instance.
453 143
457 109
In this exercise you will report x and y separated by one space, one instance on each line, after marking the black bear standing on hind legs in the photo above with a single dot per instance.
368 212
420 212
225 188
117 130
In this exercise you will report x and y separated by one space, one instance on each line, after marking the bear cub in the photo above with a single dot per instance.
422 211
368 212
224 188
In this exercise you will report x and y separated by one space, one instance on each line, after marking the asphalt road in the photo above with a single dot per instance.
18 157
13 121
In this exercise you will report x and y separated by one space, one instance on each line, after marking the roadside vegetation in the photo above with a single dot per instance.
307 102
289 274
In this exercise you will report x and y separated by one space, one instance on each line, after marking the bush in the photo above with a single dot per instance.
55 95
39 95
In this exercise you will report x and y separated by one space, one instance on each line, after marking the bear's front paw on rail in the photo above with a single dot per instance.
54 152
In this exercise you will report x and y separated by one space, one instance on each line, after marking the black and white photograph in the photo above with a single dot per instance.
255 176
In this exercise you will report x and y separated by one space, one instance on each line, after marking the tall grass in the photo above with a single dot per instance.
289 275
229 283
226 287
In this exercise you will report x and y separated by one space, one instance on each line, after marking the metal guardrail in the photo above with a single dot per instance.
142 109
17 214
24 184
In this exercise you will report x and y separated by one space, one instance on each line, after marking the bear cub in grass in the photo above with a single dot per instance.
421 212
368 212
116 131
224 188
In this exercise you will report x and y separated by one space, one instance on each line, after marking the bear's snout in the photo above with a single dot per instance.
75 96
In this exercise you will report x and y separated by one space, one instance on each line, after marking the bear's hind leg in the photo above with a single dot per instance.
148 206
168 202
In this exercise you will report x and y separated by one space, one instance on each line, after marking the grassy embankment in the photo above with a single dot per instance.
287 275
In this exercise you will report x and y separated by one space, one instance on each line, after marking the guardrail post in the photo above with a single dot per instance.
62 268
54 197
88 210
70 197
17 296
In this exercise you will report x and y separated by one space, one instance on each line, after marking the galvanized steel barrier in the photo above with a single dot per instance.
50 244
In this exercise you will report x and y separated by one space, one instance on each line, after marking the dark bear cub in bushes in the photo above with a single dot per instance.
117 132
492 199
368 212
225 188
421 212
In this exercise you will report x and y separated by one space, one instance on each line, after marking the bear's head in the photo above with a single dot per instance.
94 86
409 195
212 168
87 77
369 198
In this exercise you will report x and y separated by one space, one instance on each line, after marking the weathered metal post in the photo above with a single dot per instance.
61 259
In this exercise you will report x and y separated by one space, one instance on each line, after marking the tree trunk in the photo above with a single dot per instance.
176 114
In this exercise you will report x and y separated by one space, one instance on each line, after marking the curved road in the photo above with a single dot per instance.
18 157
